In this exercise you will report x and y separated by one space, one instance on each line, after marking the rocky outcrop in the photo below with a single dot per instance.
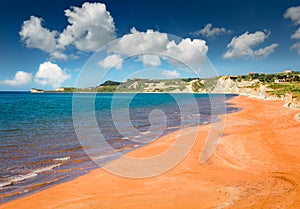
225 85
252 88
291 102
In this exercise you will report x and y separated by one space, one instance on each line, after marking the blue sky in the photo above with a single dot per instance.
239 37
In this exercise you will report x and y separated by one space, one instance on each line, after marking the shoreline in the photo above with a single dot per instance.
248 161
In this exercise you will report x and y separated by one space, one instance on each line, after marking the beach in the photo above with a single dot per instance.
255 165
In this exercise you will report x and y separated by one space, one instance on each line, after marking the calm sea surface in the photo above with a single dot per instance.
38 141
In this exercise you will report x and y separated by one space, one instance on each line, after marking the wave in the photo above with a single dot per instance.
15 179
146 132
62 158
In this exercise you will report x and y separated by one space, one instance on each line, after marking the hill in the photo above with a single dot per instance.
284 86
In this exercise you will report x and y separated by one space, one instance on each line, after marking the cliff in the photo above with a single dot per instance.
257 89
33 90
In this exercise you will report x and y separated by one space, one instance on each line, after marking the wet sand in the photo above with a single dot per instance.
256 165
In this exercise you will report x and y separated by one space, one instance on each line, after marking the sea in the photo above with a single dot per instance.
39 144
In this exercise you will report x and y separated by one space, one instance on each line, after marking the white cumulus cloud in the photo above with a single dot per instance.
209 31
21 78
50 74
89 28
35 35
188 52
110 61
242 46
170 74
151 45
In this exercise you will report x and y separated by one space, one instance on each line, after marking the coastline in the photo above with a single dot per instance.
123 92
260 158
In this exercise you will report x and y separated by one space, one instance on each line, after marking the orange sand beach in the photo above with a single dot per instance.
255 165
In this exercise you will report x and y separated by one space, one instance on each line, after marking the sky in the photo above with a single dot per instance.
49 44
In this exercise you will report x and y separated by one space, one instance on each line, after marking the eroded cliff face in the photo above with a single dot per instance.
252 88
291 102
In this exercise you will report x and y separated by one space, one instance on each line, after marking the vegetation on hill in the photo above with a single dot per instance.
110 83
269 78
282 89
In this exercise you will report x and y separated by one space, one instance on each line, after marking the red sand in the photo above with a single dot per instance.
256 165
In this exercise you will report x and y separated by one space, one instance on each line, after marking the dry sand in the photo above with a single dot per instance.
256 165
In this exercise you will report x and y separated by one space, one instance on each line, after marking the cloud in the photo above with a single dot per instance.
57 55
264 52
21 78
151 45
110 61
209 32
170 74
50 74
296 35
189 52
242 46
90 27
140 42
150 60
296 47
294 14
35 35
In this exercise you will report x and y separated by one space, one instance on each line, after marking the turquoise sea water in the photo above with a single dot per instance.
39 145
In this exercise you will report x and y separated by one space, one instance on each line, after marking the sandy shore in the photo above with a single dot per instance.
256 165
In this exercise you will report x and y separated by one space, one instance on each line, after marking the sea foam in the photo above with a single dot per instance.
34 173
